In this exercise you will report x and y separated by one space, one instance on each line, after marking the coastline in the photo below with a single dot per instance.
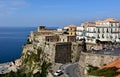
10 66
12 40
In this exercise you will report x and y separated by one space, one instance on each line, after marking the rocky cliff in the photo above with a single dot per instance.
34 60
34 56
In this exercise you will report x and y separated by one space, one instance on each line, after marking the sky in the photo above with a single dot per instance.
55 13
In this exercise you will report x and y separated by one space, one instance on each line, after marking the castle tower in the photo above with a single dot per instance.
41 28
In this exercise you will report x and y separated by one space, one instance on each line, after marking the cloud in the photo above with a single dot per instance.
9 6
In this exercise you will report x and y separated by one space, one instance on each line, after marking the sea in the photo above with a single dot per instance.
12 40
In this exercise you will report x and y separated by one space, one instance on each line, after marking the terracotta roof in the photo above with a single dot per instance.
98 21
118 76
111 20
106 20
115 63
72 25
114 21
90 23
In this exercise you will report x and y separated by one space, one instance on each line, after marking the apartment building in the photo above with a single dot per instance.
106 30
80 32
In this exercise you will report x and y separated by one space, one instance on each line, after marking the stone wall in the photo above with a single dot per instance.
53 38
76 48
93 59
63 52
71 38
57 52
49 50
63 38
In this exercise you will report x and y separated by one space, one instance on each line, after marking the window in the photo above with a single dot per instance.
94 30
111 24
48 40
106 36
63 40
103 30
102 35
107 30
98 30
111 37
111 30
115 30
98 36
67 29
115 37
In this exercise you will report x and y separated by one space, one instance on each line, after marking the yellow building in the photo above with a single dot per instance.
72 30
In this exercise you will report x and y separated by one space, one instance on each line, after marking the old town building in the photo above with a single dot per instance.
72 30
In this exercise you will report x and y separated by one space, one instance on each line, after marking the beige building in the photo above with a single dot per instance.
67 38
72 30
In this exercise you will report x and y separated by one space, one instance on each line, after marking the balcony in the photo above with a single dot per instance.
91 31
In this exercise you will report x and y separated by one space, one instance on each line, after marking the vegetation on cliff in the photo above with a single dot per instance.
28 41
21 73
106 72
33 65
91 68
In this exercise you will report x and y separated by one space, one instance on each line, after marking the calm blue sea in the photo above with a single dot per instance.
12 40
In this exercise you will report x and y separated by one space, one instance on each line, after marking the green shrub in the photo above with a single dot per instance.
28 41
91 68
107 72
44 66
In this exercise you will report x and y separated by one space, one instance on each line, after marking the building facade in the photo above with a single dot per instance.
72 30
107 30
80 32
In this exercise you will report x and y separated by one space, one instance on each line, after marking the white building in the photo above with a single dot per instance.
63 30
107 30
79 32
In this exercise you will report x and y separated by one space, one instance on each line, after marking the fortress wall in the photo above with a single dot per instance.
93 59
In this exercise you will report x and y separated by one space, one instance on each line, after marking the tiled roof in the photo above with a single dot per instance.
115 63
98 21
72 25
111 20
90 23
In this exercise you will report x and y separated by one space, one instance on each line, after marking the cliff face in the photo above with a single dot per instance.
34 60
34 56
49 51
31 61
